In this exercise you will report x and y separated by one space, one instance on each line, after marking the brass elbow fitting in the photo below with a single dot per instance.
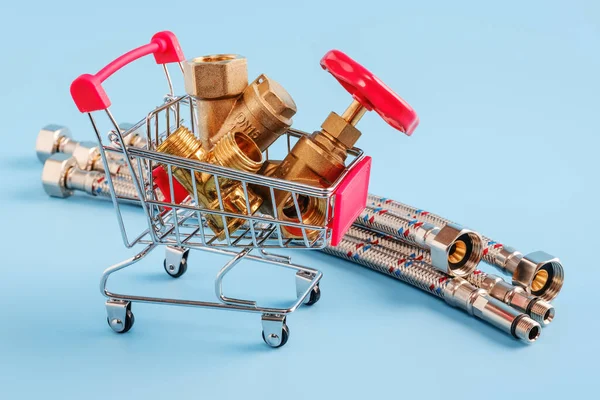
235 150
215 81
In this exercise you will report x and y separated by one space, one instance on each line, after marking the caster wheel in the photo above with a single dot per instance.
285 334
315 295
129 321
170 269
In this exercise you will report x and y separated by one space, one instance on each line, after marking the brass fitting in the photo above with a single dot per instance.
235 150
264 112
215 81
317 160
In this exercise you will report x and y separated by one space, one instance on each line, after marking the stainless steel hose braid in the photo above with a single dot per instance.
514 296
539 273
454 250
454 290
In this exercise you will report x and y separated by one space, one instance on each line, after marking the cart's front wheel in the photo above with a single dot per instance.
176 271
122 326
315 295
274 340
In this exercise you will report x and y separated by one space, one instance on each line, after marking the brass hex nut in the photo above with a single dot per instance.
340 129
277 98
215 76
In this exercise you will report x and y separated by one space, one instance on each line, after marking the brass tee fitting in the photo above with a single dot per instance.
225 102
235 150
317 160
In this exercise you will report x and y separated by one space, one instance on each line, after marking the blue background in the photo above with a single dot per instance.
507 94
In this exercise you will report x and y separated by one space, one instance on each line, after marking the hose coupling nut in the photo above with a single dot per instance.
454 249
540 274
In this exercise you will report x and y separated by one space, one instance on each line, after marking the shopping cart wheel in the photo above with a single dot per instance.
120 317
303 281
176 261
275 331
285 334
315 295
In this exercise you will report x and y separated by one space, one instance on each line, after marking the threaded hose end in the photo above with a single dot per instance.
542 312
527 329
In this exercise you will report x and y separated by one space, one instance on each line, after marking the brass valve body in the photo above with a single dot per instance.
215 81
225 102
317 160
235 150
264 112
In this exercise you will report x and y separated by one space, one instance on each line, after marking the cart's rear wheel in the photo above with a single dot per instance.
119 327
285 334
315 295
176 272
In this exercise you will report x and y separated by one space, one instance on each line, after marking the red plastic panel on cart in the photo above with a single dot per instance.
350 199
161 179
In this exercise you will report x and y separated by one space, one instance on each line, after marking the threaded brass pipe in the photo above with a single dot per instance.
235 150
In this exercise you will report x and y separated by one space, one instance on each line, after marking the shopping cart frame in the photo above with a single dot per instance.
180 227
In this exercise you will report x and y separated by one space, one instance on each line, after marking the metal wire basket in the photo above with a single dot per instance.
181 226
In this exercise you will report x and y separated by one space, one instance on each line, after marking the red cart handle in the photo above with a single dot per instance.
87 90
371 92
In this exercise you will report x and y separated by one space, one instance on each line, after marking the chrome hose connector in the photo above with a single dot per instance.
479 303
454 250
456 291
514 296
61 177
539 273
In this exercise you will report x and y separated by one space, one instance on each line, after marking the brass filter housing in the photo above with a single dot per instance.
264 112
236 151
215 81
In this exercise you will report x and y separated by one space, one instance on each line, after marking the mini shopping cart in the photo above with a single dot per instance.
181 226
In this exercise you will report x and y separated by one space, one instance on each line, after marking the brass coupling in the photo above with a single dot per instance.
226 103
235 150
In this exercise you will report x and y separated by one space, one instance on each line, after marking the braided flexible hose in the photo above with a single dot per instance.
538 272
124 188
430 280
455 291
540 310
394 224
491 251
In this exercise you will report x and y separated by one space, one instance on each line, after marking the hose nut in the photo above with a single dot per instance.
49 140
452 246
539 273
54 175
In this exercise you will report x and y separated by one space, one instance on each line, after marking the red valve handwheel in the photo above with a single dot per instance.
371 92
